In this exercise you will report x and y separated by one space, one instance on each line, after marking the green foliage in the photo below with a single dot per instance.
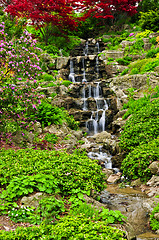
136 48
125 71
154 223
13 27
26 170
144 34
20 213
66 83
51 137
48 77
152 53
134 71
136 163
142 127
47 114
50 208
143 66
124 61
149 20
68 227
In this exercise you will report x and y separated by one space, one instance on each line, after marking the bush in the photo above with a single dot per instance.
144 34
135 165
124 61
143 66
29 169
142 127
154 223
66 83
48 77
68 227
125 71
152 53
149 20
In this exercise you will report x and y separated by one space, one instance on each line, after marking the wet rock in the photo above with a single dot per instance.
154 181
101 137
135 183
117 125
78 134
107 172
154 167
114 178
94 203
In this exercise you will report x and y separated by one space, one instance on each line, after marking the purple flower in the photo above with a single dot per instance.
131 34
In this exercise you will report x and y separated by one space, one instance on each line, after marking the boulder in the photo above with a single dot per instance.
61 62
154 167
114 178
107 173
33 200
154 181
101 137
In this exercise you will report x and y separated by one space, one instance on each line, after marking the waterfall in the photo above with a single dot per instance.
71 76
92 95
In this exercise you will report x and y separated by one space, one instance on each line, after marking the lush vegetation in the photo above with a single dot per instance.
64 178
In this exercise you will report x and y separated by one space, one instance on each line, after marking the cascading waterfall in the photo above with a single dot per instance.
92 92
71 76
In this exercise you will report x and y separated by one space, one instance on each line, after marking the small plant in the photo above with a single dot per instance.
154 223
66 83
21 213
125 71
48 77
134 71
51 137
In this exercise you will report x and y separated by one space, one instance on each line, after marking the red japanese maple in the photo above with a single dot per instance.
43 12
59 13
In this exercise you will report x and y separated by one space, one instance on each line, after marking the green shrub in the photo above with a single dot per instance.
142 127
136 163
150 66
154 223
68 227
66 83
48 77
124 61
149 20
134 71
26 170
152 53
51 137
143 66
144 34
125 71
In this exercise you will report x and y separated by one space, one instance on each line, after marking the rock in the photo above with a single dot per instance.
117 124
114 178
63 90
149 204
78 134
126 43
154 167
101 137
156 216
154 181
107 172
155 34
94 203
104 55
33 201
111 145
135 183
62 62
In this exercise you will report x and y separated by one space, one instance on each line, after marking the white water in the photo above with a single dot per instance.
71 76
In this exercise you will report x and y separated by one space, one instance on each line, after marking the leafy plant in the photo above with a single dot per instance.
149 20
66 83
154 223
142 127
51 137
136 163
124 61
125 71
48 77
152 53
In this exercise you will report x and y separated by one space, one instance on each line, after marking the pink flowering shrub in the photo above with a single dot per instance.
19 70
